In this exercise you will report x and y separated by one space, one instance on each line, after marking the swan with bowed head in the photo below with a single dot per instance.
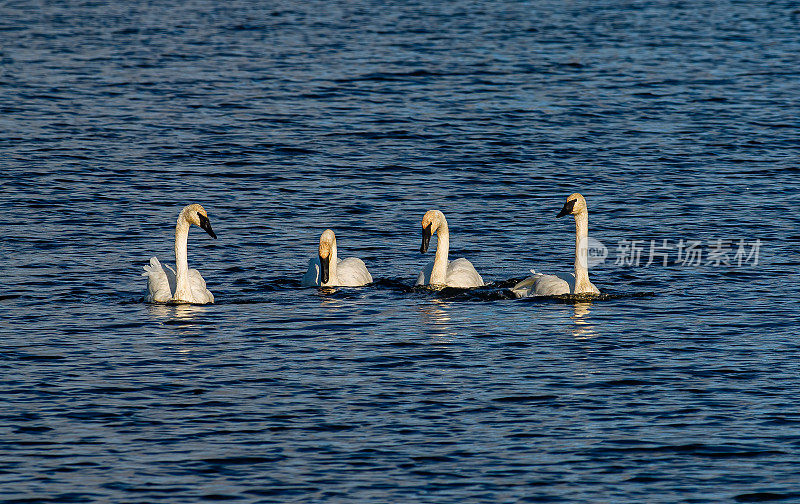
181 285
442 272
327 270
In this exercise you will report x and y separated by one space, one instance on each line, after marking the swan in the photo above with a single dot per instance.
328 270
572 283
441 272
186 285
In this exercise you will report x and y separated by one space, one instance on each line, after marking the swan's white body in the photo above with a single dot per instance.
573 283
559 284
350 272
459 273
442 272
182 285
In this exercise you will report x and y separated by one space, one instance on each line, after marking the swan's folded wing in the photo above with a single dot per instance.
158 285
196 280
352 272
525 287
552 285
197 284
461 273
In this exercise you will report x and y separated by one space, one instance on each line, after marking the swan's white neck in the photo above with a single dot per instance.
582 283
439 272
333 275
183 291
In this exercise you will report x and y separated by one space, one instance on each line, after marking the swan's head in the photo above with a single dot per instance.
430 224
575 204
197 215
327 244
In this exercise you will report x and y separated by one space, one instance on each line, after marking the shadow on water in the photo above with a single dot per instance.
587 298
495 291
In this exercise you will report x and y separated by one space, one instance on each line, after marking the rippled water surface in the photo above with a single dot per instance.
676 120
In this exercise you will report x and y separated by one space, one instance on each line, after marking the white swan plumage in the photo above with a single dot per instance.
327 270
573 283
184 285
442 272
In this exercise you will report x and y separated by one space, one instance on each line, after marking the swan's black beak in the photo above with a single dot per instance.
205 224
426 239
324 269
568 206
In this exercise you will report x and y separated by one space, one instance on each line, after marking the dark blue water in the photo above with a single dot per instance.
676 120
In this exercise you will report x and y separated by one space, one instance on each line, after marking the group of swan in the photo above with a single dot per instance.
184 285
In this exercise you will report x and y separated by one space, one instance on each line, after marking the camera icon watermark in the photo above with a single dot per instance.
596 252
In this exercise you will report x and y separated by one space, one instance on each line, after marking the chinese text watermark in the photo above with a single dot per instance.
665 252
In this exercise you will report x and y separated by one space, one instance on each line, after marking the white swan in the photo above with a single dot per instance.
441 272
573 283
328 270
186 285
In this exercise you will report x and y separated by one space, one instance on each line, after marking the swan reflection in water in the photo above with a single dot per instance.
329 301
186 318
581 327
435 315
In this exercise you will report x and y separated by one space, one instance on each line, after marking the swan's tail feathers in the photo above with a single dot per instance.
158 288
153 267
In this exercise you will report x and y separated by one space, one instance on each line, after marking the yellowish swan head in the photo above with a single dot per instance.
430 224
327 242
197 215
574 205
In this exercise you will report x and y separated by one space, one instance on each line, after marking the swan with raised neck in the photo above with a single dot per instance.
441 272
183 285
560 284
